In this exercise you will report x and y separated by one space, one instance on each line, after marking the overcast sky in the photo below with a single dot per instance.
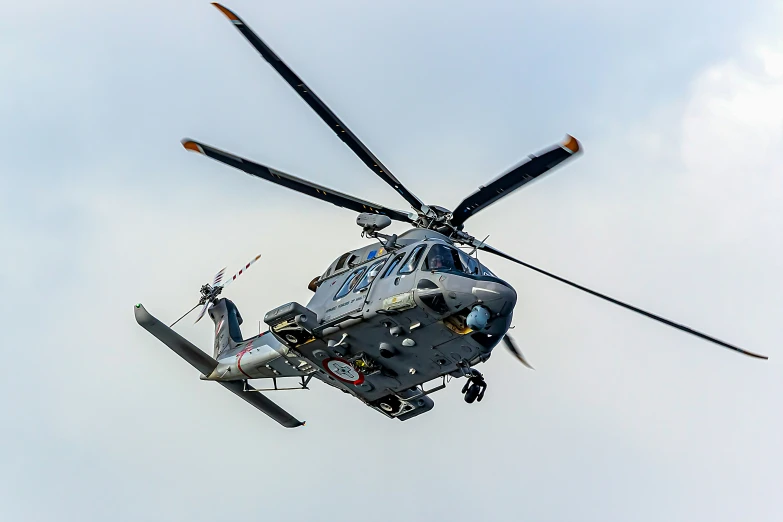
676 206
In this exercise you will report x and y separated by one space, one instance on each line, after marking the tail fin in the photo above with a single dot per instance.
227 319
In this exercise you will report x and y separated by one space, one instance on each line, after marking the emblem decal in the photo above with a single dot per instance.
343 370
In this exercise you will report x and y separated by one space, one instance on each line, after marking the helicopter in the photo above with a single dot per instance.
386 320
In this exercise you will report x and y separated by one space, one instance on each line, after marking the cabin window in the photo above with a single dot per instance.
370 276
350 283
396 261
442 257
341 262
413 260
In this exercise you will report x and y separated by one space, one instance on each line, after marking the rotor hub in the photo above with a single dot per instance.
209 293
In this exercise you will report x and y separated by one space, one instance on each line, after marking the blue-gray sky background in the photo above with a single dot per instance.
675 206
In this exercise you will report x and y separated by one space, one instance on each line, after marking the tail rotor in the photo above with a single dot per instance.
210 293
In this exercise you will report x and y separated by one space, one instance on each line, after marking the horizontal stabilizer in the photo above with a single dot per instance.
205 364
181 346
255 398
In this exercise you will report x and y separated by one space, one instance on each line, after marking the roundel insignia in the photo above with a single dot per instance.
343 370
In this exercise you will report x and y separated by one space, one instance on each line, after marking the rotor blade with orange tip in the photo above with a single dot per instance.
295 183
326 114
532 168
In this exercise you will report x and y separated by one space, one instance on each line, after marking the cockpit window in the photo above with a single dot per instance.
393 264
469 264
350 283
485 271
413 260
442 257
370 276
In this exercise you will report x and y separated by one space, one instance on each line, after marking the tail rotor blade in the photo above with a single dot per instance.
210 293
202 312
219 277
512 347
234 278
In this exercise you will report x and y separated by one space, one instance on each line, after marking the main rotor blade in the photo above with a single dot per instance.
506 183
331 119
294 183
515 351
620 303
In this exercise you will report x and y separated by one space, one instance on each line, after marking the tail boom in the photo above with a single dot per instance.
206 365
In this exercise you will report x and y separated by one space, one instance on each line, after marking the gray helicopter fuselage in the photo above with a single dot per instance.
382 322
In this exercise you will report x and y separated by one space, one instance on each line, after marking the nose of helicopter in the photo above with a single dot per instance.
449 293
499 298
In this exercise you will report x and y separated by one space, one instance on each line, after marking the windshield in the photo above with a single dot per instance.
469 264
485 271
441 257
413 260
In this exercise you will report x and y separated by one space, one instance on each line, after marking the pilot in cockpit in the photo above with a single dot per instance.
439 259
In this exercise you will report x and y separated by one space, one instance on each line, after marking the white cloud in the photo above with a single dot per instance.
732 141
735 117
624 419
